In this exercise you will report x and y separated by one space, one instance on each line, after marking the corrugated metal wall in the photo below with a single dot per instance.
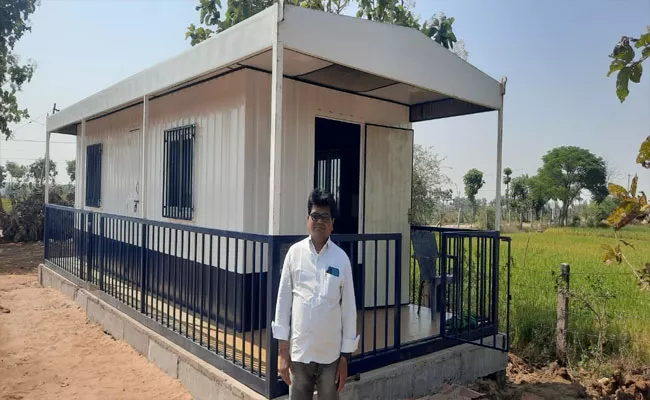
217 108
231 182
302 103
121 136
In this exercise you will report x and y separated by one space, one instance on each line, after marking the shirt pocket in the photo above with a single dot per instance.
332 287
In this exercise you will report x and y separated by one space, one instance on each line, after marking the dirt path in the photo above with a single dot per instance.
48 350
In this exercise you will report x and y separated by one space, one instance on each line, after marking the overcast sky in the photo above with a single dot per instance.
553 52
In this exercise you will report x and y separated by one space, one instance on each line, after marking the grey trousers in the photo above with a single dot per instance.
304 377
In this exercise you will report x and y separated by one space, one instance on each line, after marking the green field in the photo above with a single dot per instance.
612 288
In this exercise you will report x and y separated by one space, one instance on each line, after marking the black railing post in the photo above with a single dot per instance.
81 242
495 282
442 306
398 290
143 269
46 234
102 251
89 249
271 295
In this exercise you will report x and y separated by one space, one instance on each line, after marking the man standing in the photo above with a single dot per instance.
315 315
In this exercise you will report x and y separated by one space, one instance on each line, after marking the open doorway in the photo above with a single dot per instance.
338 146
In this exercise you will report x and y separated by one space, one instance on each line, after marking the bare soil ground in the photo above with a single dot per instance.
48 350
553 382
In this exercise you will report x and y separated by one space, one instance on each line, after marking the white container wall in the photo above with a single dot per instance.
302 103
232 156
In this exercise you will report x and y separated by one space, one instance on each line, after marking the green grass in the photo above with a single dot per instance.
6 204
536 259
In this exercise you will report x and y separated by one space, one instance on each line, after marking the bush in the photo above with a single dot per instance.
485 222
595 213
25 221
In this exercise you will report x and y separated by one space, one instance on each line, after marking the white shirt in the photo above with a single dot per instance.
316 310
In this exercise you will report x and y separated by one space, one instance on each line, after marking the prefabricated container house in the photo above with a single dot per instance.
193 177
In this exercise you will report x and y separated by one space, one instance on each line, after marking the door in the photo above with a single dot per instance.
337 170
338 147
387 197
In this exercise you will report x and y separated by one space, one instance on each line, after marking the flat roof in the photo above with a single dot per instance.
368 58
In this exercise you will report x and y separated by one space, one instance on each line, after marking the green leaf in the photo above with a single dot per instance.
626 54
622 81
646 52
644 154
644 40
626 212
635 73
616 65
617 191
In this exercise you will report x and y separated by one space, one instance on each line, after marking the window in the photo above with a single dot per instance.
179 171
94 175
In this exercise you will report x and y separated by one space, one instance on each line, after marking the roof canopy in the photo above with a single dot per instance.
368 58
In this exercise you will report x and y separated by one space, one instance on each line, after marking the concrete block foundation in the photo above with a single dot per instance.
408 379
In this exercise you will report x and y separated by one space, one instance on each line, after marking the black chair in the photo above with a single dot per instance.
425 251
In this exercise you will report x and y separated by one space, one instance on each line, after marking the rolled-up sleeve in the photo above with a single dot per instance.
350 338
282 324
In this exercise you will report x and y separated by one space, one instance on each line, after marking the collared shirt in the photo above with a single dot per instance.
316 309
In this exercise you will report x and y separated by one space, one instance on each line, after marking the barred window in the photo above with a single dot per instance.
179 173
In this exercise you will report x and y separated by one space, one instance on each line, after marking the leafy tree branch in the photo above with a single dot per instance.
624 63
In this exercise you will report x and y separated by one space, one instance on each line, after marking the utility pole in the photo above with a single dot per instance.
628 182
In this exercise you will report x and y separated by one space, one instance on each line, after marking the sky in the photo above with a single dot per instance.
553 53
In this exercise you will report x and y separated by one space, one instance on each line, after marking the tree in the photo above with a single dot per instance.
3 176
14 22
538 194
428 191
71 169
521 197
624 63
16 172
473 180
507 178
567 171
399 12
239 10
37 171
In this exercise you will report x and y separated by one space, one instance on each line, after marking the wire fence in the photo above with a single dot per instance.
606 313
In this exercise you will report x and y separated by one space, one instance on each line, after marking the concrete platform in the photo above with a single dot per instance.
408 379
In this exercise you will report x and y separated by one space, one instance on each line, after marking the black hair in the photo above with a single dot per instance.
322 198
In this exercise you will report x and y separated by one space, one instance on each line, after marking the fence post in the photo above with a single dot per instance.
90 251
398 289
81 242
102 250
272 283
46 233
143 269
562 312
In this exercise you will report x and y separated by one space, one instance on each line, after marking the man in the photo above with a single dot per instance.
315 315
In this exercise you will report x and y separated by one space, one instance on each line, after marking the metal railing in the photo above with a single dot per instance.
470 268
213 292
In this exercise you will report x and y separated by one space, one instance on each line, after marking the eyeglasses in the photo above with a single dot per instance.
322 217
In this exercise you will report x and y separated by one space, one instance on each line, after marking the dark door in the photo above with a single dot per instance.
336 169
338 147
